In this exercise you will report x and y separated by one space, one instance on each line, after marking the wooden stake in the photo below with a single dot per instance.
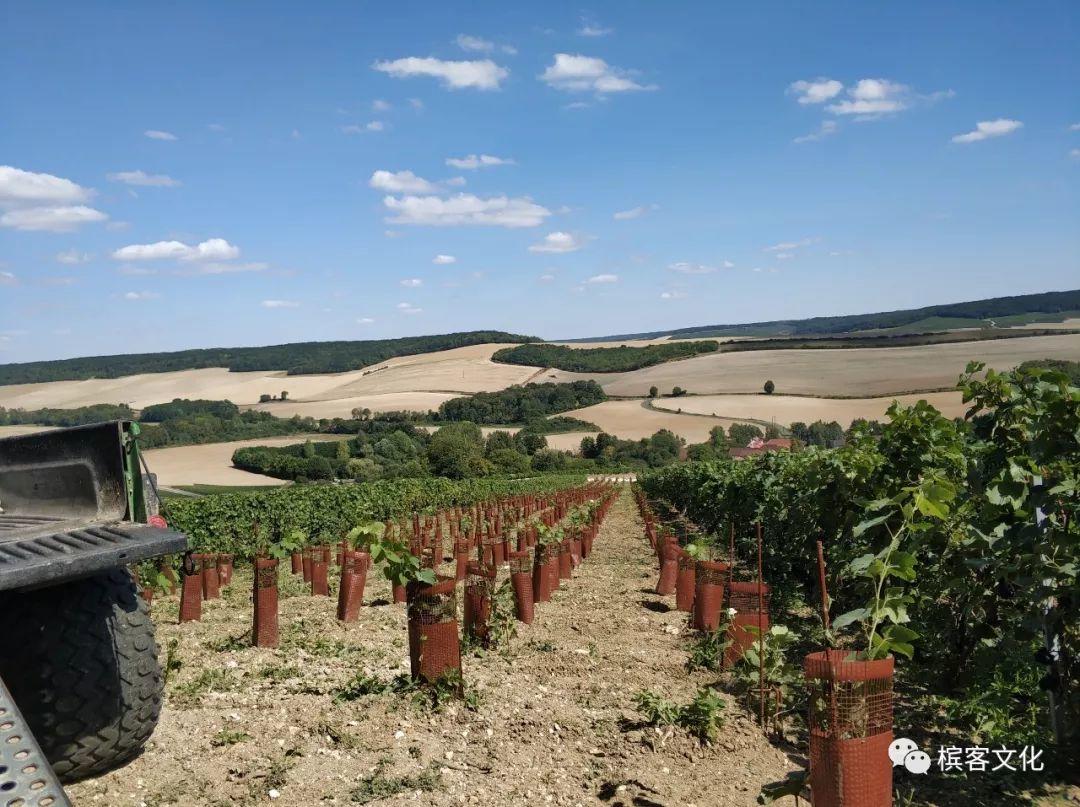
761 631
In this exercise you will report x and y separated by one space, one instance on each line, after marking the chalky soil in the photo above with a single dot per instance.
555 723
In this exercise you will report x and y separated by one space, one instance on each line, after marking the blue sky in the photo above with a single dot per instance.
200 174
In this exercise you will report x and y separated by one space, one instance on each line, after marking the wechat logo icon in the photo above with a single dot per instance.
904 752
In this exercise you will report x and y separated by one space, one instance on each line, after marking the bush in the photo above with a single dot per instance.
457 452
769 387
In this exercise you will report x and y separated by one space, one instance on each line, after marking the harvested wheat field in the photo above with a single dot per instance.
551 721
461 370
859 371
786 409
211 463
633 420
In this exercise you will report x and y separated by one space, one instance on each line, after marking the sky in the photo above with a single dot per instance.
205 174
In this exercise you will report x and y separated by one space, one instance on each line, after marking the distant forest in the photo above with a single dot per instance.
601 359
299 358
1051 303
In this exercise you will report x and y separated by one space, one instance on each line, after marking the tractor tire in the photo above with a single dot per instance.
81 663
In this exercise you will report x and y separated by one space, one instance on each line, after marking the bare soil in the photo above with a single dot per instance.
551 722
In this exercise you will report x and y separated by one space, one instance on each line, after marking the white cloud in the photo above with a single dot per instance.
216 127
157 134
787 246
73 257
213 249
474 43
379 105
473 161
141 295
634 212
280 304
986 129
547 277
43 202
409 308
214 268
826 128
26 187
672 295
51 219
686 268
371 126
416 104
817 91
365 321
412 282
576 73
400 182
603 279
591 28
465 209
136 271
1074 154
558 242
444 260
481 75
784 256
141 178
8 278
872 97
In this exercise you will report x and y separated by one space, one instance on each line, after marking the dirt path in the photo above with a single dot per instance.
555 722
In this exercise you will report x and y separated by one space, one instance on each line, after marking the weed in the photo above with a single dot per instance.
337 735
702 716
241 641
502 626
300 636
191 692
543 647
656 710
227 737
449 687
362 685
172 661
278 672
378 785
706 652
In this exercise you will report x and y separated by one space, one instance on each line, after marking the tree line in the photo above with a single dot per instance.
601 359
297 358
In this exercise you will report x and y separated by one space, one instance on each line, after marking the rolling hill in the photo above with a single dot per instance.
1052 306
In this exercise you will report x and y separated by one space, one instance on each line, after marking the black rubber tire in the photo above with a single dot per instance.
81 663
